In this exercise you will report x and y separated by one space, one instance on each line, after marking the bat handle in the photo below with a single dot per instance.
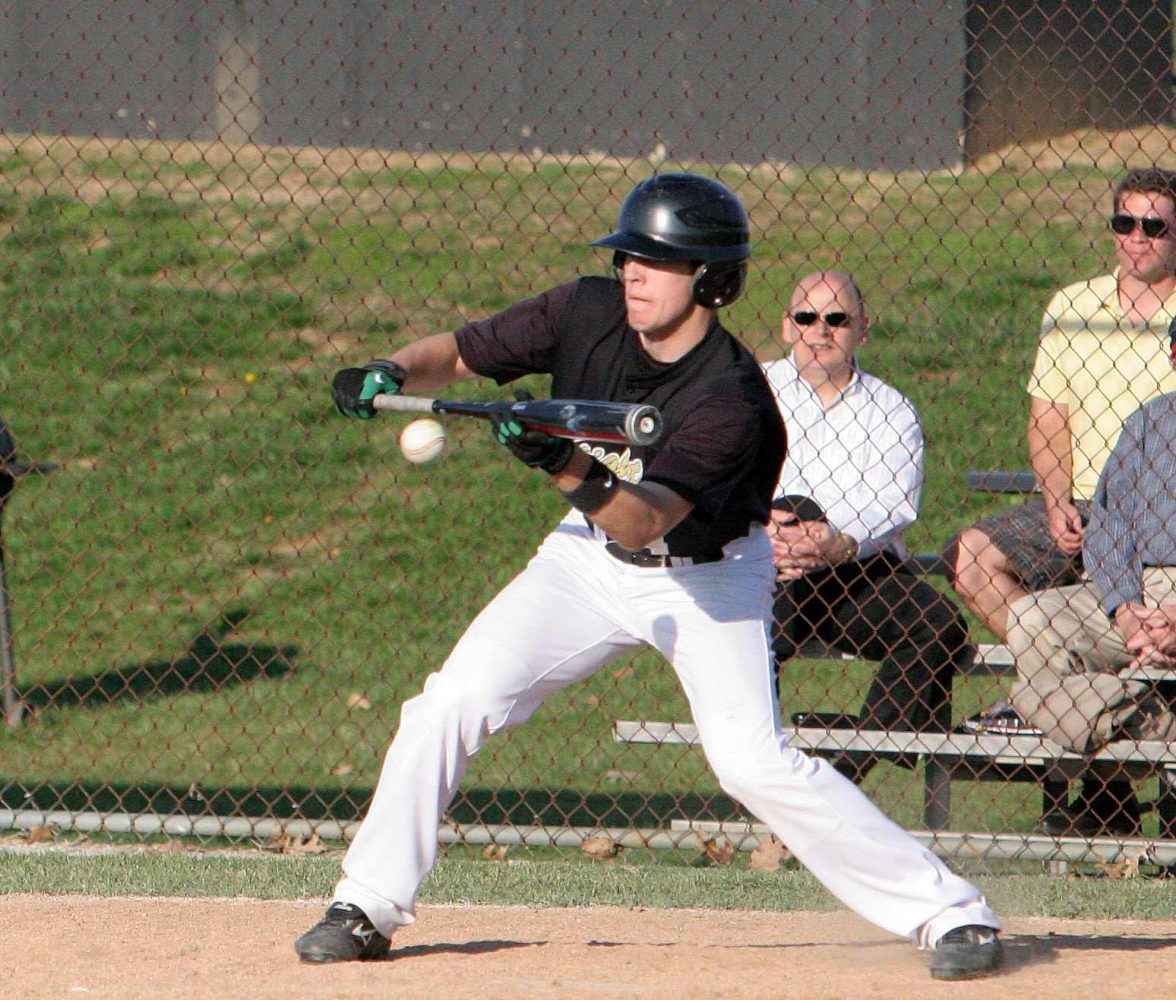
404 404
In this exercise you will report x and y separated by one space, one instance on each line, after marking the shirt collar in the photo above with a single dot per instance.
1110 302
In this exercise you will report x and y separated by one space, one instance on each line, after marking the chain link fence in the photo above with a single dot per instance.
217 593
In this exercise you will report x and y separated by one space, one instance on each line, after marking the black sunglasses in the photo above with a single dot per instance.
1152 227
806 318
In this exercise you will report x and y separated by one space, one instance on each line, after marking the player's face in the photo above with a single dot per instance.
1147 258
659 295
824 326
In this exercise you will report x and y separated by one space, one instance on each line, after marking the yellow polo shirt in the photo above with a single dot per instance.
1092 360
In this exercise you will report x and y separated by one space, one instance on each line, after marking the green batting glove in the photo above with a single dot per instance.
533 448
353 389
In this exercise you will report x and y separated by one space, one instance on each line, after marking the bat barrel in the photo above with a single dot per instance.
643 425
592 420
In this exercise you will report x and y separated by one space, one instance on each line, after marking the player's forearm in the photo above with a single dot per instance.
634 516
640 515
431 362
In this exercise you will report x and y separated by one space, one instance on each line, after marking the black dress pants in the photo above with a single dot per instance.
878 609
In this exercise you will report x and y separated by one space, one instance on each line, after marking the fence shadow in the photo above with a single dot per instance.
208 664
555 807
567 807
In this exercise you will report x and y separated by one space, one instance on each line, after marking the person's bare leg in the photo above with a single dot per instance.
984 580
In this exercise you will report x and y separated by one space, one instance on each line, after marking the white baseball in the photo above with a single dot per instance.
422 441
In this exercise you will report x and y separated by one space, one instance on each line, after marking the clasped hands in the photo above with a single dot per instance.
799 547
1150 633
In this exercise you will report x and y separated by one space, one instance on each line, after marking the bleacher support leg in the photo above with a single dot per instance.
1166 803
936 795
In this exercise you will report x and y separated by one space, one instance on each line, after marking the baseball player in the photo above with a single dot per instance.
664 546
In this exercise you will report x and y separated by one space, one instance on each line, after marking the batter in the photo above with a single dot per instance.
664 546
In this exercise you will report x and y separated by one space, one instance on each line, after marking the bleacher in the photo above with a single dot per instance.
962 755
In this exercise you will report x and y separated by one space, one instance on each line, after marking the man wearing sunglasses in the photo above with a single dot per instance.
850 485
1102 353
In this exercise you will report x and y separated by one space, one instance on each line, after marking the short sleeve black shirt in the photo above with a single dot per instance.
723 439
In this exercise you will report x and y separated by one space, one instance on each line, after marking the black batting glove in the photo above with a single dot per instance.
353 389
533 448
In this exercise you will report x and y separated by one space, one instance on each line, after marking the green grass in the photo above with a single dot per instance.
572 881
227 591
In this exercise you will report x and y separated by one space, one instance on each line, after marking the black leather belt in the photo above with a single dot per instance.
647 559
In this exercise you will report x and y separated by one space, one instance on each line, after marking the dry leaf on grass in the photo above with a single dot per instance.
770 854
297 844
495 852
717 850
600 847
1127 866
40 834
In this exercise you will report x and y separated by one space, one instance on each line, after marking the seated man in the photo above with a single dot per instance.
1101 353
1076 646
849 486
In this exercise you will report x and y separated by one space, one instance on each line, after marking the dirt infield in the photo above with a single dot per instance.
115 949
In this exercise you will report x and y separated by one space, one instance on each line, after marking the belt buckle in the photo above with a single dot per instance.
651 560
642 557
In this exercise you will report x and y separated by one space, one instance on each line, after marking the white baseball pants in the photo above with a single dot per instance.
570 611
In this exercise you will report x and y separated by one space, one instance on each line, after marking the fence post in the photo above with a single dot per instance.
13 709
10 471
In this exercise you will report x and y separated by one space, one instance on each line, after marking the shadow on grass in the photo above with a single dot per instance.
566 807
556 807
209 664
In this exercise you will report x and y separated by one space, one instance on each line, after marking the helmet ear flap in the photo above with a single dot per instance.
719 284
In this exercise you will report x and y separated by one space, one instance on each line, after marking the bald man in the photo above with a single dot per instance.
848 489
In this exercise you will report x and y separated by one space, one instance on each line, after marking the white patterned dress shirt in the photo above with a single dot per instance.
861 458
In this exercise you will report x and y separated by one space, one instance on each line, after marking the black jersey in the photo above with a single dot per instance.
723 439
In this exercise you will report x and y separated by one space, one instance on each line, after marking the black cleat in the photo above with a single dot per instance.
344 935
966 953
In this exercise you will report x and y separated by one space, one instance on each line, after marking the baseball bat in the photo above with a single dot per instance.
586 419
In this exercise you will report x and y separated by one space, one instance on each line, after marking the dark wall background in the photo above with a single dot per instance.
888 84
1052 66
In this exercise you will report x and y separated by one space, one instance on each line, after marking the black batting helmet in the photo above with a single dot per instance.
687 217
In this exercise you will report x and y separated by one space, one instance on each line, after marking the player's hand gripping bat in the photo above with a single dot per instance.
584 419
